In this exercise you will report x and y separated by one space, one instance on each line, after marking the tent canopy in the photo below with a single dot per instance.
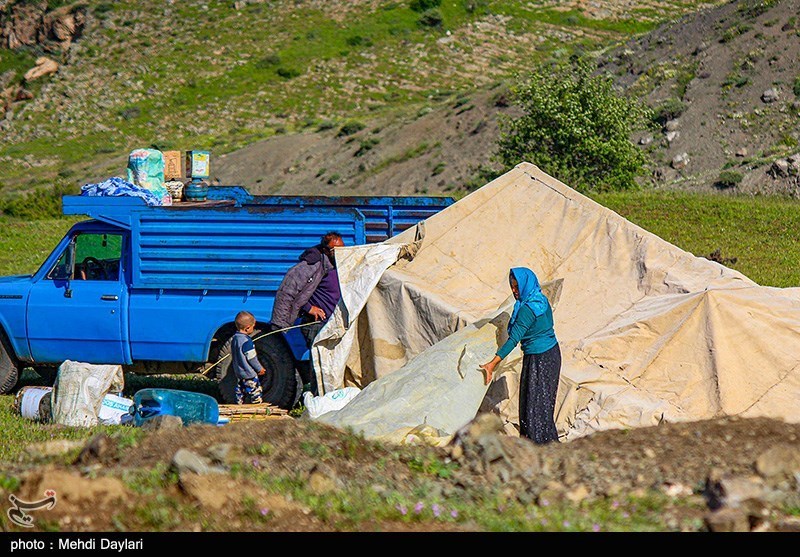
648 331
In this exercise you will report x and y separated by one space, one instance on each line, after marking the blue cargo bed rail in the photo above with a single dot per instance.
238 241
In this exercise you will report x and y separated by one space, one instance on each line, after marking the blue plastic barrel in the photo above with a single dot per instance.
190 407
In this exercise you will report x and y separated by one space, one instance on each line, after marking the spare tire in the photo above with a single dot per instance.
279 384
9 366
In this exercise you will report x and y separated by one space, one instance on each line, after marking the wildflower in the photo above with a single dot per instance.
543 521
625 515
566 524
436 510
615 504
403 510
544 502
454 513
264 512
595 527
418 507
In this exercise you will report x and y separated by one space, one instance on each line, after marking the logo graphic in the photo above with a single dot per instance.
17 513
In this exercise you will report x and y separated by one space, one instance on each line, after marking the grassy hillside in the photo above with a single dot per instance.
221 75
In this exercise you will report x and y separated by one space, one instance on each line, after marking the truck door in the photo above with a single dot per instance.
76 310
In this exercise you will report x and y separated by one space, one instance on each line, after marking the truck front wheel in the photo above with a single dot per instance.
279 384
9 366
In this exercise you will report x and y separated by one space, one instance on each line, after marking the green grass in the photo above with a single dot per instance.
759 232
24 245
418 501
16 432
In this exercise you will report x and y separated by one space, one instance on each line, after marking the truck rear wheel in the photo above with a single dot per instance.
279 384
9 366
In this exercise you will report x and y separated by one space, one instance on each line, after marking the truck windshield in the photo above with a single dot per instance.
96 257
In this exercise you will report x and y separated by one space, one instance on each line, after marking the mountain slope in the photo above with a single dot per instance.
223 75
724 80
729 81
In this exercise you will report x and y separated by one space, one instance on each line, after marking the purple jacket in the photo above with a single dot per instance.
297 286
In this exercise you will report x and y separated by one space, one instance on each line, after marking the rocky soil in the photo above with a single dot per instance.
727 474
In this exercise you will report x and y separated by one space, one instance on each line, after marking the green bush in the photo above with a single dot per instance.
424 5
668 110
269 61
796 87
366 145
288 73
734 31
358 40
755 9
575 127
349 128
728 179
431 18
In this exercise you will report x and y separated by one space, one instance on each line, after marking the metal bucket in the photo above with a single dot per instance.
34 403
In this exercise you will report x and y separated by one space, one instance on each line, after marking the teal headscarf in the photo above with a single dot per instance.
530 293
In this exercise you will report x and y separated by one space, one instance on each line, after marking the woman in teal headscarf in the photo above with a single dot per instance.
531 325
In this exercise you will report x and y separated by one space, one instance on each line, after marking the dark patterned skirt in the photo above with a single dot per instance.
537 395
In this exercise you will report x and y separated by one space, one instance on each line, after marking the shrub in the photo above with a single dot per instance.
269 61
358 40
668 110
757 8
366 145
734 31
796 87
728 179
431 18
349 128
288 73
424 5
575 127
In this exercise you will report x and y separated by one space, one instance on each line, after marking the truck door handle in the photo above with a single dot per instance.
109 297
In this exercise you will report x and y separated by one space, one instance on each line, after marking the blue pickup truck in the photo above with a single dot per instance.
156 288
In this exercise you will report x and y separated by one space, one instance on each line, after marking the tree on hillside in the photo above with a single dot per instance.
575 127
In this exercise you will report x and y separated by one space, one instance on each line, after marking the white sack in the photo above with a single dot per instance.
79 391
316 406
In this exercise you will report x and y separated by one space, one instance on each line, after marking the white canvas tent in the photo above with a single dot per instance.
648 332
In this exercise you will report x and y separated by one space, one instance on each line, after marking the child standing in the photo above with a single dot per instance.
244 360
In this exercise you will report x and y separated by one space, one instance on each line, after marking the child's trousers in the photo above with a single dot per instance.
248 390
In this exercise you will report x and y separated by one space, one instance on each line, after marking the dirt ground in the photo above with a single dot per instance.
108 487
